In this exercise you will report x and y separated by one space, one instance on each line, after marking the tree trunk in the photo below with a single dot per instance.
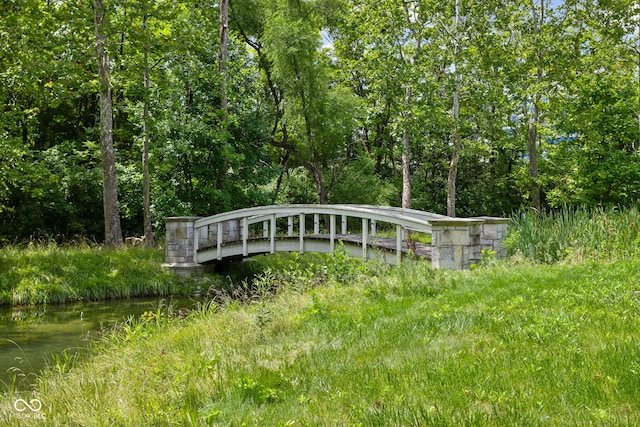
321 189
637 146
535 120
533 157
149 239
455 115
220 179
224 42
312 165
451 182
112 229
406 170
284 162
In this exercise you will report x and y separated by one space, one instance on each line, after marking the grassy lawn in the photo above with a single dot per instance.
506 345
51 273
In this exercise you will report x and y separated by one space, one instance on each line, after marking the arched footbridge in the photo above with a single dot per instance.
372 232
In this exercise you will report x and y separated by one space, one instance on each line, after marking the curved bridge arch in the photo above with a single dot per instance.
298 237
192 242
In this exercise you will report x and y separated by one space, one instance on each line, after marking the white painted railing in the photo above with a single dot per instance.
369 217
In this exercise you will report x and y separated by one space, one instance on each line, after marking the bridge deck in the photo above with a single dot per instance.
420 250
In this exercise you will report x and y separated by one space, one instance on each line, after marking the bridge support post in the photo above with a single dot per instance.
456 243
179 247
494 230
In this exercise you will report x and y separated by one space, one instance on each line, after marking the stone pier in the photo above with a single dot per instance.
180 243
458 242
179 248
494 230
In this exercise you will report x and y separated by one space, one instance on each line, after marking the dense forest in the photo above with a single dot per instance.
133 110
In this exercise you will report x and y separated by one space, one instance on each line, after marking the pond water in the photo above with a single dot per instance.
29 336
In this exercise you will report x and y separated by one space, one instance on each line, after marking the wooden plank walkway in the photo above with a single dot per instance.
420 250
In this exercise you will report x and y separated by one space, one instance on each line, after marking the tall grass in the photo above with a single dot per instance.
576 235
508 345
40 273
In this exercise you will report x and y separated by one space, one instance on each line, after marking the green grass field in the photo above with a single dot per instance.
47 273
507 343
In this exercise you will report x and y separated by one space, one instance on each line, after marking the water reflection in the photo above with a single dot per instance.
29 336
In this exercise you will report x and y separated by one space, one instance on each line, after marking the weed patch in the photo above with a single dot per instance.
576 235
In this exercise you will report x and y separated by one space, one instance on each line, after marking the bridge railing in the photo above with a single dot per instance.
210 232
457 243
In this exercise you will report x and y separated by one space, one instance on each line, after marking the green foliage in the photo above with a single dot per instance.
53 274
357 183
299 188
317 107
488 258
575 235
342 267
258 394
599 163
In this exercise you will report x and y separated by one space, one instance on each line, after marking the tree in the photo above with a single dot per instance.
618 23
312 115
149 238
471 32
541 38
380 45
597 162
112 229
538 18
207 160
224 45
455 113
